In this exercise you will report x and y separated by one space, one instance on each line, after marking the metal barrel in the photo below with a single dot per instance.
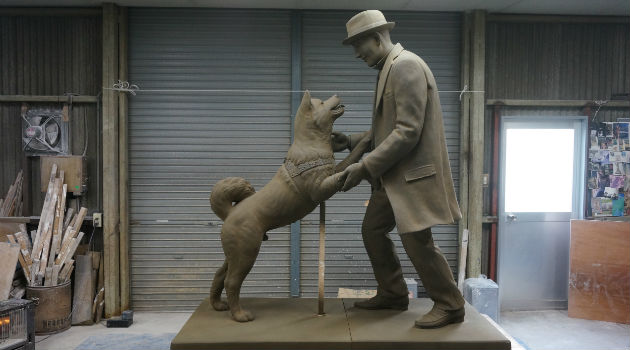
53 312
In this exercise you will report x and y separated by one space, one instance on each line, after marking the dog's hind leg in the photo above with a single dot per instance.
237 270
217 288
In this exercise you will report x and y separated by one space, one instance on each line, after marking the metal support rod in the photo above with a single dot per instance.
322 257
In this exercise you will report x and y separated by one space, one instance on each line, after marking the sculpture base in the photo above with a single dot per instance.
283 324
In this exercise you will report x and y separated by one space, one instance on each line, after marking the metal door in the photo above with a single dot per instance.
215 104
542 182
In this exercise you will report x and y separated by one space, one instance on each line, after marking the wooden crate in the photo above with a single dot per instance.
599 281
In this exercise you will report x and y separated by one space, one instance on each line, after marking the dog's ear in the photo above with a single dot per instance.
306 104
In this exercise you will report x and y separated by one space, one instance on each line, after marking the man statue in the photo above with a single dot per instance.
408 168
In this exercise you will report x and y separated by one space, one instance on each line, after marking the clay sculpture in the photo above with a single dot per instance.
307 177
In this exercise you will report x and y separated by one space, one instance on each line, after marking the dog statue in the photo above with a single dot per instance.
307 177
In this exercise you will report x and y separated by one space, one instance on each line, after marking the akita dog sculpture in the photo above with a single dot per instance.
307 177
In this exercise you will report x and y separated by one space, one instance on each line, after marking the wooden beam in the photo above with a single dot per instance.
477 110
50 11
498 17
464 135
47 99
123 161
555 103
111 203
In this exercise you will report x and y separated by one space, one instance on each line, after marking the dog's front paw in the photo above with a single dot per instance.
242 316
220 305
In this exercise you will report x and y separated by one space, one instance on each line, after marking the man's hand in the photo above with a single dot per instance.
353 175
339 141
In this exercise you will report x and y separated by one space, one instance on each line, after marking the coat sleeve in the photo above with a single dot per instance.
410 95
355 138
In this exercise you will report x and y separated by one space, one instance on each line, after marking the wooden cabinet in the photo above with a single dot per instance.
599 280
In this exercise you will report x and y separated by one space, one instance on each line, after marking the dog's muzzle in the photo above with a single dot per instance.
338 110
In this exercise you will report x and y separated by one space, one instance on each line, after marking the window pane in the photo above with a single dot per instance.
539 170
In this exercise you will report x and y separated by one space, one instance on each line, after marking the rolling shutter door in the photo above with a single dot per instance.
182 142
329 68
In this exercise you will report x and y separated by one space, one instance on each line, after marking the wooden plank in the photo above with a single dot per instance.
68 218
58 220
110 141
123 162
65 272
34 270
69 273
71 248
25 235
101 290
78 222
599 278
83 295
23 263
37 245
463 252
55 275
61 218
48 277
42 98
49 227
8 261
525 18
554 103
477 108
65 253
65 245
464 134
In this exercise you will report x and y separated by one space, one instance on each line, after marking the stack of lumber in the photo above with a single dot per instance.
11 205
49 260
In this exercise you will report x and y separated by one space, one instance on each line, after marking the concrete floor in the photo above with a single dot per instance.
152 323
554 329
533 329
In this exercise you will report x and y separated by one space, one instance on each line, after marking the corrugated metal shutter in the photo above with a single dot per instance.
329 66
182 142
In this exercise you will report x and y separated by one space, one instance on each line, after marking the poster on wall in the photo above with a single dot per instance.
608 179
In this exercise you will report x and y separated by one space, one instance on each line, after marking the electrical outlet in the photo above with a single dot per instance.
97 219
485 180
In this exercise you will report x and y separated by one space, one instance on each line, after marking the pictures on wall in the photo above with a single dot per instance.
609 169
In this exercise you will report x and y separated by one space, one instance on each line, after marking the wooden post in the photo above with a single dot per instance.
111 202
477 110
322 257
123 162
464 135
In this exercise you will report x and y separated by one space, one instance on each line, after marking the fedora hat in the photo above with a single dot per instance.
366 22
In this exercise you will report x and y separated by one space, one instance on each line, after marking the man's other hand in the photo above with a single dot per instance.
353 175
339 141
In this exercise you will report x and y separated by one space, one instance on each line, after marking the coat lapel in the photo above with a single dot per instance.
384 73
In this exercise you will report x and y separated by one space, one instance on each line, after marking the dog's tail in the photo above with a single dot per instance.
227 191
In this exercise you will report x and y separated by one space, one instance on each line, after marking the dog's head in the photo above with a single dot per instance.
316 116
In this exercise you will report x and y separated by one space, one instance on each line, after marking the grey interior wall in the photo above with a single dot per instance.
552 61
49 55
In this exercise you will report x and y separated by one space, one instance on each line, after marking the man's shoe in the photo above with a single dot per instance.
437 318
379 302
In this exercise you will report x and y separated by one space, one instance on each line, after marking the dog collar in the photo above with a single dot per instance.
295 170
